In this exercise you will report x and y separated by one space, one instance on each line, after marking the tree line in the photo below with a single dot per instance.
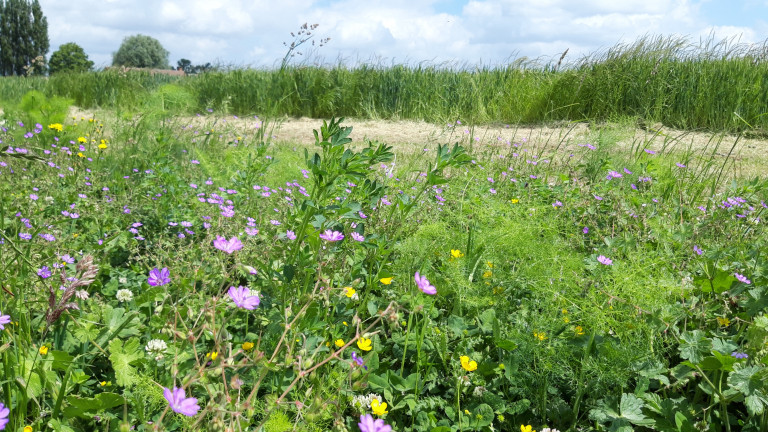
24 44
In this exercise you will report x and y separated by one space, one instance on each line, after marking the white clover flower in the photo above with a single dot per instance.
362 403
124 295
122 280
156 347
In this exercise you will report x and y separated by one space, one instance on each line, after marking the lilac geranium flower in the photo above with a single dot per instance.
424 285
602 259
358 360
332 236
4 319
742 278
243 298
44 272
291 235
357 237
159 277
179 403
739 355
4 413
368 424
698 250
228 246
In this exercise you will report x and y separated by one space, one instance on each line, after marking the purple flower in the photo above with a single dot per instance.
679 165
44 272
159 277
697 250
68 259
742 278
424 285
4 319
228 246
332 236
243 298
4 413
179 403
585 230
290 234
357 237
368 424
739 355
602 259
358 360
25 236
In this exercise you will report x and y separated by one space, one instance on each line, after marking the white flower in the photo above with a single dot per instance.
156 347
124 295
122 280
362 403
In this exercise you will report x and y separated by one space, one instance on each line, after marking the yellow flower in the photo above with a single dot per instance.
75 235
466 412
487 274
386 281
56 126
103 383
379 408
43 350
564 311
489 264
527 428
28 429
82 140
80 154
514 200
540 335
247 346
723 321
467 364
364 344
350 292
455 253
103 144
212 355
579 330
339 343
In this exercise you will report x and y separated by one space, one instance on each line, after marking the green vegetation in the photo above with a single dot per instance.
141 51
23 38
577 285
70 57
712 86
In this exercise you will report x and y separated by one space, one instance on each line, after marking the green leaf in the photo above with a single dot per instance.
631 409
122 357
61 360
750 381
694 345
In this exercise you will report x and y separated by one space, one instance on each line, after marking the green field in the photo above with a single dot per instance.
569 275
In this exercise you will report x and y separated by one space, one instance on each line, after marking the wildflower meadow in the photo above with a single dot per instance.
193 272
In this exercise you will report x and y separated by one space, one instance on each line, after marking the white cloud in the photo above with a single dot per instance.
252 32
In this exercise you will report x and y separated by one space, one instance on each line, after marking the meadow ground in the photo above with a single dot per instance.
187 272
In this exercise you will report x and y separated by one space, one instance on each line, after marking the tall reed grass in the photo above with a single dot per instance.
705 85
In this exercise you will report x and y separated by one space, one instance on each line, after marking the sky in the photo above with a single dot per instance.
252 33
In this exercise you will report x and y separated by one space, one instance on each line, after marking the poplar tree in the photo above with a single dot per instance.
23 36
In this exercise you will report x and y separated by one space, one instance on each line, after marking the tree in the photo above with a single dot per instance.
70 57
190 69
142 52
23 37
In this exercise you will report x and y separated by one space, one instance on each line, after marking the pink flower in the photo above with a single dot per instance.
743 279
179 403
424 285
332 236
604 260
228 246
357 237
368 424
243 298
4 319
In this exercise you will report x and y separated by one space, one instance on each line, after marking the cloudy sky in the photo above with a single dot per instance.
487 32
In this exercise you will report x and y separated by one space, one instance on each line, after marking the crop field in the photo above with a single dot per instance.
165 267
